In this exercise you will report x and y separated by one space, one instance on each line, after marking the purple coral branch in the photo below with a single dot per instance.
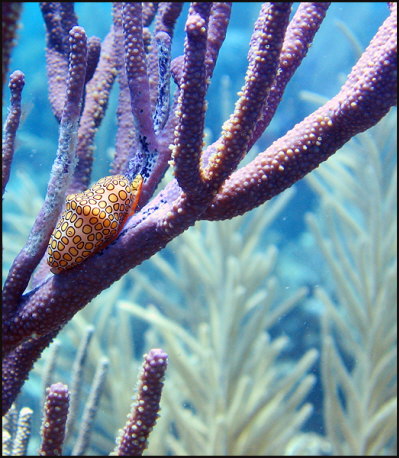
168 12
142 419
218 23
10 13
96 102
17 364
267 43
126 135
17 82
297 41
59 18
149 9
93 56
192 105
367 95
54 421
136 70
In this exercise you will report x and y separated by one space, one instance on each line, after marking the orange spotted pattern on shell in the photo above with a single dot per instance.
92 219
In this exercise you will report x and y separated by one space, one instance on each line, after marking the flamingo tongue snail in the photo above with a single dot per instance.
92 219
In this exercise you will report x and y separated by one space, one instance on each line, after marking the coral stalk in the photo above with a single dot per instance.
17 82
133 439
55 415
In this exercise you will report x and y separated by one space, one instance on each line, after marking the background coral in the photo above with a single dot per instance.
358 238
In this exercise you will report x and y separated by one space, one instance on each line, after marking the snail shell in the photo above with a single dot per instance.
92 219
